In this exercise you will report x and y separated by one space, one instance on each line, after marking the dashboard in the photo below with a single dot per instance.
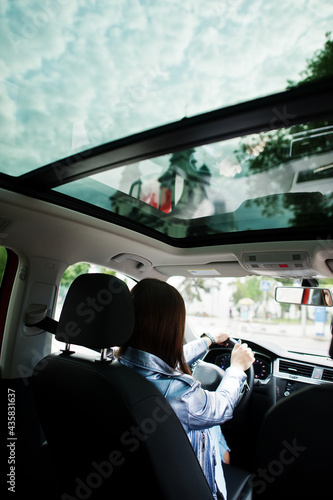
262 365
277 372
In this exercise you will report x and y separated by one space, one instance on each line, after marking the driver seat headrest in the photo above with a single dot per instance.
98 312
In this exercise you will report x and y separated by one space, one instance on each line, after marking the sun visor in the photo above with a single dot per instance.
210 270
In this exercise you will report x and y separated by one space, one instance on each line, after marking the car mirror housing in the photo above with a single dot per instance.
309 296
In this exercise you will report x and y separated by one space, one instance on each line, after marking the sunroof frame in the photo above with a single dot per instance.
311 102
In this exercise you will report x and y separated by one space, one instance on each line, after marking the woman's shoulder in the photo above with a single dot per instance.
183 383
187 379
178 387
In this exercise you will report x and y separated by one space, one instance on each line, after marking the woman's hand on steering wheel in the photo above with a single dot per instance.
219 338
242 356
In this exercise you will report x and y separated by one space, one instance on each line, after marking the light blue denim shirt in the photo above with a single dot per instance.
197 409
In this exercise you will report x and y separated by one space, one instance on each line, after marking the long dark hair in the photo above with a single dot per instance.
159 322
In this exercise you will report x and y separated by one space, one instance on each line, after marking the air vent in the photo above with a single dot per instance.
295 369
327 375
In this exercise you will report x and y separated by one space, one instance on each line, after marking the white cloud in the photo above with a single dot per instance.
117 68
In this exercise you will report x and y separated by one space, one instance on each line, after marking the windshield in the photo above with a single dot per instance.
246 308
77 74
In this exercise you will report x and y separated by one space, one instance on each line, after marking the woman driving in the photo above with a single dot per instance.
156 350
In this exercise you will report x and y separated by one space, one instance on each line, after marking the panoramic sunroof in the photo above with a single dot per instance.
79 74
272 180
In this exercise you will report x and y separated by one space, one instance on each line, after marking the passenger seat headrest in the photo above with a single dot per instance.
97 313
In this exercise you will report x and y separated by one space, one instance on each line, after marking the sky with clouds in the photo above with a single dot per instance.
78 73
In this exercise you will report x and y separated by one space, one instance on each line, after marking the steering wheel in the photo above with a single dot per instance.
210 376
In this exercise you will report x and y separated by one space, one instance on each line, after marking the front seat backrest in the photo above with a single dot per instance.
109 430
294 450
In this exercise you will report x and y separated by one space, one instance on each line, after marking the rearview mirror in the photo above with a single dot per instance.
304 296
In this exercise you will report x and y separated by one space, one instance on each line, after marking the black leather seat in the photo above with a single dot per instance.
294 458
109 431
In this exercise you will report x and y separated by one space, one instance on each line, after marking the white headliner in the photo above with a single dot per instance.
38 228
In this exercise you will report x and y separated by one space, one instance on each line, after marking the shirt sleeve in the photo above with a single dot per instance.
194 350
208 408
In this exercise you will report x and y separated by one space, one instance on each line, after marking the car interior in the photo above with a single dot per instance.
200 154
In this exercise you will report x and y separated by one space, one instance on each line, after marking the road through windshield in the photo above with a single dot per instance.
246 308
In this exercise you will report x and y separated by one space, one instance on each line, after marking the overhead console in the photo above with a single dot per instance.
283 264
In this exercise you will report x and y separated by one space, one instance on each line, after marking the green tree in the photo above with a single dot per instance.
249 288
103 270
3 260
191 289
274 148
319 66
326 283
267 151
73 272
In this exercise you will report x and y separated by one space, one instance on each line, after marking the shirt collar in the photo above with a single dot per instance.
147 361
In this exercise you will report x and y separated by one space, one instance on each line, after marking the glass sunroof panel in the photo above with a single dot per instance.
276 179
77 74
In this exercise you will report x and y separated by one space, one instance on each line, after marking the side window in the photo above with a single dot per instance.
67 279
3 262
